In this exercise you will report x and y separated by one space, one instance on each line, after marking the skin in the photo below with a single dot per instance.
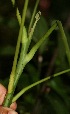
5 110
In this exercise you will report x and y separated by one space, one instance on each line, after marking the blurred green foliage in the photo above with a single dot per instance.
52 97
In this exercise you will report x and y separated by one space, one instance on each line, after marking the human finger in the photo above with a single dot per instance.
2 93
13 106
4 110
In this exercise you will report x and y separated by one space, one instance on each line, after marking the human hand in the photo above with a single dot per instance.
5 110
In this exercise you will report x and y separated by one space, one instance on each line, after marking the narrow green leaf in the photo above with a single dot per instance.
36 83
30 55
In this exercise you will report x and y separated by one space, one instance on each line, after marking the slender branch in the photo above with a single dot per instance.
64 40
33 15
36 83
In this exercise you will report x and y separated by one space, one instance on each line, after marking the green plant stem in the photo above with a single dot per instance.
18 43
30 55
20 65
36 83
33 15
8 101
25 45
64 40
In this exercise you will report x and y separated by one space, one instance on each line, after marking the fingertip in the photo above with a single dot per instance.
13 106
2 93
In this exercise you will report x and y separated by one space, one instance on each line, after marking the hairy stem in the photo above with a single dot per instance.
7 101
